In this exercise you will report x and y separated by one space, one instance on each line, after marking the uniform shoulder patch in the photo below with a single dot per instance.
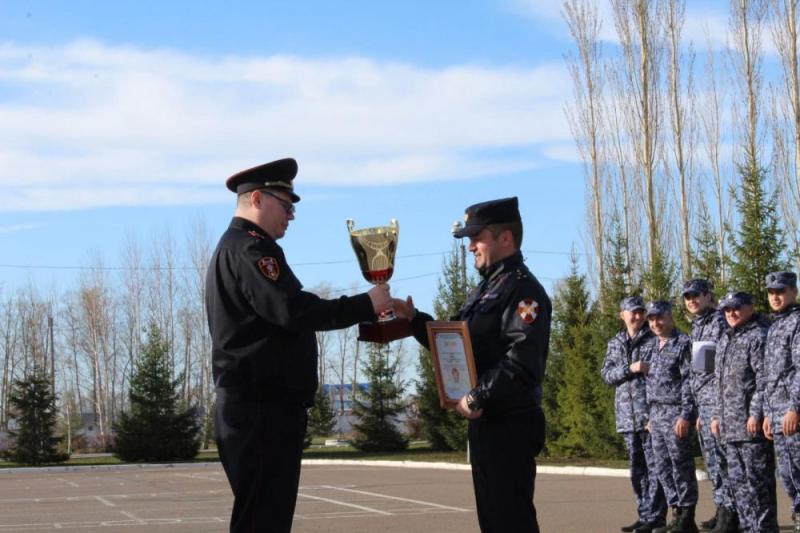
528 310
269 267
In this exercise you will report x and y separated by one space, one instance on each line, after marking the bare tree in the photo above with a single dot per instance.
96 308
199 250
710 118
585 112
641 42
680 91
786 119
747 19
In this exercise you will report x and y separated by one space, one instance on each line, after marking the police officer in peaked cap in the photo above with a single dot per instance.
508 315
264 349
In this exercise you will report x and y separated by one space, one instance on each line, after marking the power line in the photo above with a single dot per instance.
189 268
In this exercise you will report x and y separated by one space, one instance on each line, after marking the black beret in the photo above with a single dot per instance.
275 175
478 216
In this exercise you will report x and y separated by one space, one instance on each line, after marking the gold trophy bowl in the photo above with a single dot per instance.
375 249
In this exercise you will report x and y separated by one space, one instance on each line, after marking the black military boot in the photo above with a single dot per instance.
711 522
727 521
632 527
676 516
649 527
686 522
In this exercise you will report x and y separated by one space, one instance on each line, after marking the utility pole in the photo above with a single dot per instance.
457 226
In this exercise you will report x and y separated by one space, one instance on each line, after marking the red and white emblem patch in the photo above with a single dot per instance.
528 310
269 267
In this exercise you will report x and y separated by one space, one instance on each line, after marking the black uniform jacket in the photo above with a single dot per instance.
508 316
262 323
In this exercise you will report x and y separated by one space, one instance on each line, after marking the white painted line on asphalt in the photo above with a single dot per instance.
386 496
133 517
346 504
104 501
207 478
70 483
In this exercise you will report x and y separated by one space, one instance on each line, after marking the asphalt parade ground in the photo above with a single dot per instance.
332 498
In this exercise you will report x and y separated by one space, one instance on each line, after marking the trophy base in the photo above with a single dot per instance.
383 332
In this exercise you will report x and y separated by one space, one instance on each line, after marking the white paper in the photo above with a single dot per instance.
703 354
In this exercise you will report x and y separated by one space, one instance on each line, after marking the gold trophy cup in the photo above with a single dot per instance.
375 249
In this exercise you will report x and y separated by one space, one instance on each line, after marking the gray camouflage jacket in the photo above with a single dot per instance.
781 365
630 399
706 327
669 380
740 378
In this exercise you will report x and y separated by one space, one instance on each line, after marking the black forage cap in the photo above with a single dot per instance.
478 216
278 175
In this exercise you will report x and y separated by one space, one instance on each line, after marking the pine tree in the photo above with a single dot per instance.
376 415
155 428
443 428
757 243
34 407
706 260
659 277
321 417
581 396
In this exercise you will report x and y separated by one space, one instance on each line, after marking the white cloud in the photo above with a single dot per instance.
15 228
159 126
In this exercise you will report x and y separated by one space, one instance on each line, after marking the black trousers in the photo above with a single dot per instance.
260 443
502 452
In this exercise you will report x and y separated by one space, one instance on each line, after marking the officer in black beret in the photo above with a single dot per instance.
264 350
508 316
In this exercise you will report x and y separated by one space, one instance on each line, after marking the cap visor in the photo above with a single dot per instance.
468 231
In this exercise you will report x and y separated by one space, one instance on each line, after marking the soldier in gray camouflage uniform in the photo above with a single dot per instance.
738 416
708 324
669 395
782 383
625 366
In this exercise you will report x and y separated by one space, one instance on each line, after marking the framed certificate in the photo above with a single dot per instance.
453 362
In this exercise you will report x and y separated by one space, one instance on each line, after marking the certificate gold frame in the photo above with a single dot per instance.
453 361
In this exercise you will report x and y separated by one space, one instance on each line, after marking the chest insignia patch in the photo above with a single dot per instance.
528 310
269 267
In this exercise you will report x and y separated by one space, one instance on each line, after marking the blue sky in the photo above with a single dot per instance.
125 118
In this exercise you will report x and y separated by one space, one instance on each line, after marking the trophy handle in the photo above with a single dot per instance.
350 224
393 223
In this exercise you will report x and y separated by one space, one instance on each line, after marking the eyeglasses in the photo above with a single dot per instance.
287 206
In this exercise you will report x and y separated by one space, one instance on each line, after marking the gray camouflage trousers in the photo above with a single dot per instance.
788 451
751 476
713 456
673 457
651 505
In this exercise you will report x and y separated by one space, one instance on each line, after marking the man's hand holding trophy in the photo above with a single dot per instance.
375 250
